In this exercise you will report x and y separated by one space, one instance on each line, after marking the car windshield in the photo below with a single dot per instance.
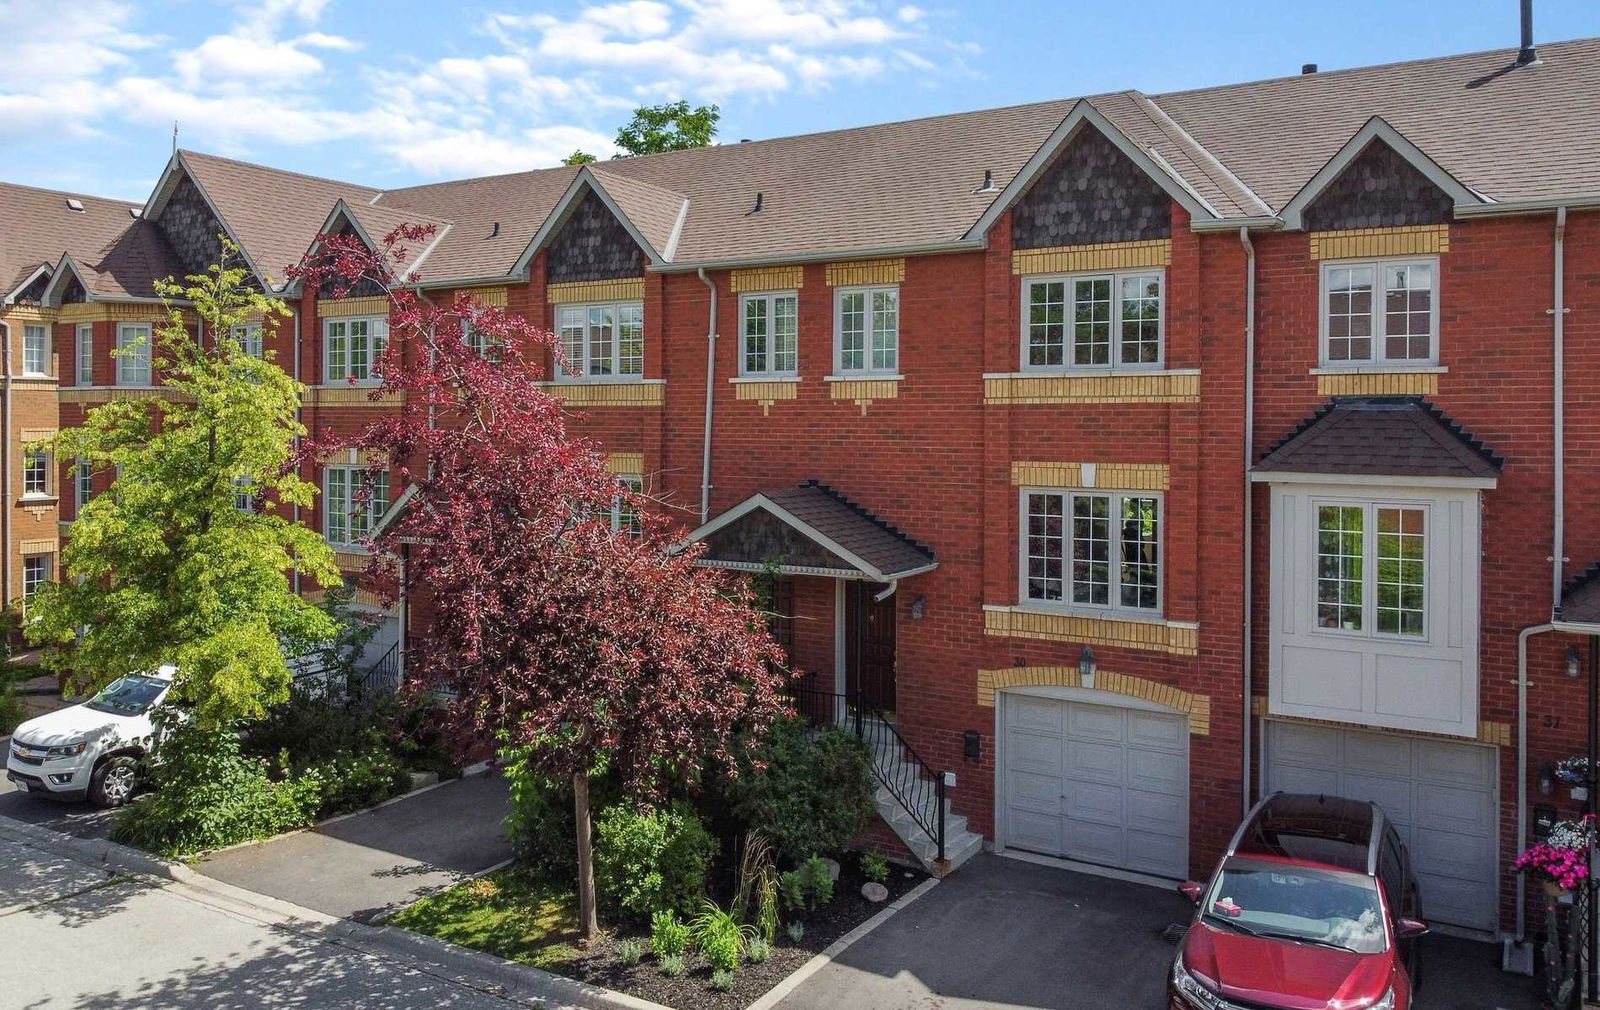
132 695
1298 903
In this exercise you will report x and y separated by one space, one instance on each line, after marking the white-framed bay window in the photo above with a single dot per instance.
351 346
1094 320
85 354
1377 312
866 330
1371 574
601 341
347 521
35 349
1091 549
769 334
133 354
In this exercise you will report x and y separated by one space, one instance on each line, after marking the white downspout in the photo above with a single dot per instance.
1249 493
1522 779
711 378
1559 397
294 317
5 463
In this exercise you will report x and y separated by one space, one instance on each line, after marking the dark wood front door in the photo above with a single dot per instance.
869 645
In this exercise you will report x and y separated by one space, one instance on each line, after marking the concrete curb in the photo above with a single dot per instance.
774 995
469 968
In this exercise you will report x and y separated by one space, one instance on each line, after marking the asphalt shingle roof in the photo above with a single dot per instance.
1580 597
852 527
1392 435
118 256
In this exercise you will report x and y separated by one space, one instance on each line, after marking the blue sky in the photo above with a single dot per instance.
411 91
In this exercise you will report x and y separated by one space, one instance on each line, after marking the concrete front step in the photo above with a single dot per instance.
960 844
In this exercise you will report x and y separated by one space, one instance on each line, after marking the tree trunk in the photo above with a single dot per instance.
588 918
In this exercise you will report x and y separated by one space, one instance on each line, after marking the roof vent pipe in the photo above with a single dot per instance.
495 231
1308 68
760 203
988 183
1527 54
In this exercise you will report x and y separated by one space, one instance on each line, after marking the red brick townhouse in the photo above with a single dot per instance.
1025 404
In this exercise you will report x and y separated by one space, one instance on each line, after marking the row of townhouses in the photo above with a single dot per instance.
1139 454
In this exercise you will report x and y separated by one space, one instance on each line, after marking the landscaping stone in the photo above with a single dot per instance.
874 892
420 780
833 869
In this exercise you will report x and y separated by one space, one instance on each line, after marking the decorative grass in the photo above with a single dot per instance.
511 914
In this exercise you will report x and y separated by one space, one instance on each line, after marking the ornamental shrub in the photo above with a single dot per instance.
874 867
649 860
208 795
357 781
668 936
720 937
805 792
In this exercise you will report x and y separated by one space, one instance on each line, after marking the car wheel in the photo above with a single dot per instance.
111 785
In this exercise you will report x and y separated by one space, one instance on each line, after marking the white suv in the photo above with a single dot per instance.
91 750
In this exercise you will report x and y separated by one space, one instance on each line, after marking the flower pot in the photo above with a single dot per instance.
1552 889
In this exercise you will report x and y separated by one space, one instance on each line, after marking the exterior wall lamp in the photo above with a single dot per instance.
1574 662
1086 667
919 606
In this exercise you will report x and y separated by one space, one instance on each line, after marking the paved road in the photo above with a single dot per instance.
75 938
1002 934
374 863
78 819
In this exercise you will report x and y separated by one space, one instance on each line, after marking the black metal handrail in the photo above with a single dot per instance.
384 675
915 785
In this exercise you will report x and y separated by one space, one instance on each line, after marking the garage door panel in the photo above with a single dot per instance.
1157 771
1451 809
1163 732
1373 752
1090 801
1040 715
1297 779
1158 812
1095 722
1310 745
1447 854
1095 843
1455 901
1392 794
1095 762
1034 753
1041 793
1461 764
1031 830
1161 854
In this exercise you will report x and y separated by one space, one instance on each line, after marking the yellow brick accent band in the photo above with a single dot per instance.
125 312
1037 474
1133 476
488 297
626 462
1067 259
350 560
775 390
37 547
106 394
866 272
1196 706
1411 240
38 434
28 314
352 396
1379 384
608 394
862 392
372 305
1162 387
620 290
1149 636
769 279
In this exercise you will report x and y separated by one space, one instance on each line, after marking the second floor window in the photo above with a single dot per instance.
36 350
480 342
352 347
85 347
1092 549
35 573
1371 568
601 341
1092 321
346 520
133 357
248 339
1385 311
866 326
36 474
83 482
769 334
624 516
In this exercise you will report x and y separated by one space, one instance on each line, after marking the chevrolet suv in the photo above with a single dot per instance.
90 750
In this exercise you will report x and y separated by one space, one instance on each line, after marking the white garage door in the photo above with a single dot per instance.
1440 794
1098 784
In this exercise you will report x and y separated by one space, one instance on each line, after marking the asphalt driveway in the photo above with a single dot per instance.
371 864
1002 934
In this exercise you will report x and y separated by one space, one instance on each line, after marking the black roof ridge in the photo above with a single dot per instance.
1467 439
866 514
1582 579
1323 410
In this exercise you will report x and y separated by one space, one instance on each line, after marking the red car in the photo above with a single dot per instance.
1314 907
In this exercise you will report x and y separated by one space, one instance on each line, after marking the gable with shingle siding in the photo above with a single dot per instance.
190 227
1091 192
592 245
1379 189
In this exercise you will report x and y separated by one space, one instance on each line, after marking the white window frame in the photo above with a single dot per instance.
1113 604
839 295
41 563
84 335
43 482
244 493
1380 356
582 370
768 369
82 482
480 342
353 477
1068 283
133 369
624 518
1369 566
377 341
35 349
247 337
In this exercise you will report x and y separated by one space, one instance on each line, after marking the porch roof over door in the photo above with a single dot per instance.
811 529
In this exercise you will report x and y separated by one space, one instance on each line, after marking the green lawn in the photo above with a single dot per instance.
511 914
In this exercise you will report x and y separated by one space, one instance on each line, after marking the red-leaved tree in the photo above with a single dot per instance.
559 635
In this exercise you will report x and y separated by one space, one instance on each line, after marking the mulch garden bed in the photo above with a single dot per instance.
848 909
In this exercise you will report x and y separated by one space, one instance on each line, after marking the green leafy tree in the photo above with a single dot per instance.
165 567
673 126
580 158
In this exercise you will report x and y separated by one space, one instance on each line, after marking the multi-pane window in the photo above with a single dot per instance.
248 339
133 354
36 350
867 329
35 573
83 482
1092 321
601 341
770 330
624 515
346 520
1371 568
244 493
352 347
481 342
1384 311
36 473
85 354
1092 549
